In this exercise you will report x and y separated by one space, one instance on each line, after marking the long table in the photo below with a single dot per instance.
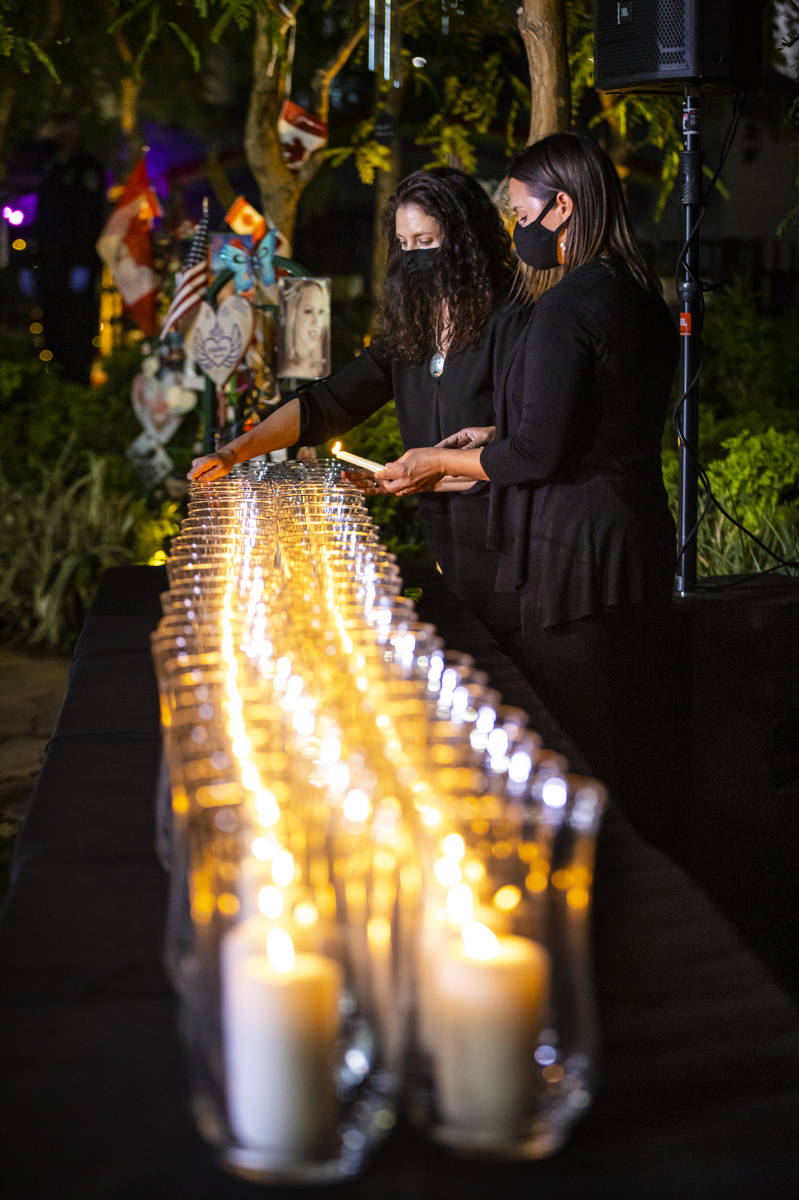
699 1081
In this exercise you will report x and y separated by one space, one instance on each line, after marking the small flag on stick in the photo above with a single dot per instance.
193 279
243 218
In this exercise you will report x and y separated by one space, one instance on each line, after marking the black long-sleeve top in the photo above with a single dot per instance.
428 408
579 514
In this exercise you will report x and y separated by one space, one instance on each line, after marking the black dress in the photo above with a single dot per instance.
429 409
580 520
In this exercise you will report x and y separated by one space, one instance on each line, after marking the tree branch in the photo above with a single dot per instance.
324 76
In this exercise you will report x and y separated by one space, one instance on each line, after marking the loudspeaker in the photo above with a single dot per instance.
664 45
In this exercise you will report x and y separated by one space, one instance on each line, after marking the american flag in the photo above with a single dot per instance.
193 279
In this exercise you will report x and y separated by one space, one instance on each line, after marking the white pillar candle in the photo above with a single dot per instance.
489 996
440 926
279 1027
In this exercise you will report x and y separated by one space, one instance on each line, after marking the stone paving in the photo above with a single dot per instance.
32 689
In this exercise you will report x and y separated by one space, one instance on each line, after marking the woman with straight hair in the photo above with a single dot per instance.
579 515
445 322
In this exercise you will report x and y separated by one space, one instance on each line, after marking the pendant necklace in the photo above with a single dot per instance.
439 357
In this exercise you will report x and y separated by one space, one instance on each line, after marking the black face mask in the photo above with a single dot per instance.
535 245
420 264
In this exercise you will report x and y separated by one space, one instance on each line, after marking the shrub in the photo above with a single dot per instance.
756 480
60 529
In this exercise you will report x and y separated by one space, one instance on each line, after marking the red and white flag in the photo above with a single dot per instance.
300 133
124 246
193 279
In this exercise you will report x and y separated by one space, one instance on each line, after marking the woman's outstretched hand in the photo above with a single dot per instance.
209 467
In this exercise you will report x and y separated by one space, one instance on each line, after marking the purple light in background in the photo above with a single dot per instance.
21 210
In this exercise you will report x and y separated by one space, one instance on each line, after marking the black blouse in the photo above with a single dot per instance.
428 409
579 513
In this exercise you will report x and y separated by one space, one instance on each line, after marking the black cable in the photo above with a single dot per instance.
702 476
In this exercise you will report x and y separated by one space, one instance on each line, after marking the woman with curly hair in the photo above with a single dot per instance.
444 322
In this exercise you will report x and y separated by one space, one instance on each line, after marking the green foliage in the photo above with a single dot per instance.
73 503
23 50
650 119
60 529
467 109
580 39
750 365
759 474
369 154
40 412
757 482
146 21
749 435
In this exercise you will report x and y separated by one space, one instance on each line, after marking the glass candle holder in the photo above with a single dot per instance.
505 1031
292 1062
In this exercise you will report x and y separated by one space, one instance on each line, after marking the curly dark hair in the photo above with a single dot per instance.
473 271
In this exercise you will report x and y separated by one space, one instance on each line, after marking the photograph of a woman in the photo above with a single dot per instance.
304 328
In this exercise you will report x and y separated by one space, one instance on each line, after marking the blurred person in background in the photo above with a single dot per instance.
63 274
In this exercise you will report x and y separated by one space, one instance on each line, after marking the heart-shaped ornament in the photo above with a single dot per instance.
219 339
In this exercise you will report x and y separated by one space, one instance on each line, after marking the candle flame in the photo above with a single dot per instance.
336 448
356 806
283 868
270 902
263 848
479 942
306 914
454 847
460 903
507 898
280 950
378 933
447 872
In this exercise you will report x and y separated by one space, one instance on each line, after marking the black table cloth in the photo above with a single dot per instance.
699 1080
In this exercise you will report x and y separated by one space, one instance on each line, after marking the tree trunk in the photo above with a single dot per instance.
281 188
542 25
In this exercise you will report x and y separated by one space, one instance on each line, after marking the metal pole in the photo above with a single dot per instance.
689 292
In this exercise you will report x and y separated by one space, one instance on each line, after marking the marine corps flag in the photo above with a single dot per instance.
124 246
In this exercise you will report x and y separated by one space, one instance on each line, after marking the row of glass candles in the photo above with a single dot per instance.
380 879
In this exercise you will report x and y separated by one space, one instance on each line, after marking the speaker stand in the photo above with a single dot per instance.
689 293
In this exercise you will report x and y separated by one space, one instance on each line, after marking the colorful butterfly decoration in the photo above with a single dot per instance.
237 254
